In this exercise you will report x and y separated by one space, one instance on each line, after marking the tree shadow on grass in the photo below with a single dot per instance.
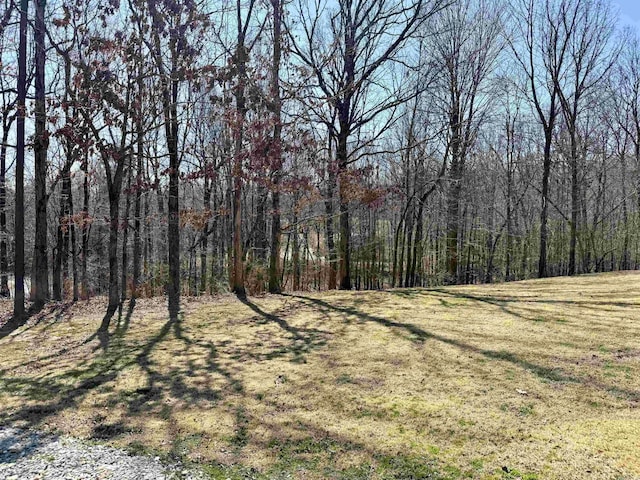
196 355
33 316
54 393
503 302
122 325
419 335
158 379
303 340
522 308
63 391
301 446
526 311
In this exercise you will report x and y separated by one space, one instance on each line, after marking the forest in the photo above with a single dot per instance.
319 239
154 147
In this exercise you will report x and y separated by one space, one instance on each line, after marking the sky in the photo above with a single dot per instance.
629 12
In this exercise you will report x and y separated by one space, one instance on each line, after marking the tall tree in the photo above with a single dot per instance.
540 43
172 21
18 300
348 61
139 132
276 144
467 41
625 105
588 27
8 116
240 57
40 283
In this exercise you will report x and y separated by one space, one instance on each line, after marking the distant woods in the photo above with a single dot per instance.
188 148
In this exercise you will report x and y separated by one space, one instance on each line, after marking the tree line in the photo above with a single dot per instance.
200 146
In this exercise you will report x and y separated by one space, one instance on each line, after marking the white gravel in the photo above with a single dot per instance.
27 455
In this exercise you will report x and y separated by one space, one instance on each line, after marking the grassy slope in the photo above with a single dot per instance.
540 377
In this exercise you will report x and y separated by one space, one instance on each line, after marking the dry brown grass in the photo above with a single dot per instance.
540 377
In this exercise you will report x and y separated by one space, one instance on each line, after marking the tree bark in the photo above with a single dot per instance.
329 225
125 241
544 213
453 215
114 223
173 207
345 229
204 244
72 229
4 261
86 227
40 283
18 299
274 254
237 277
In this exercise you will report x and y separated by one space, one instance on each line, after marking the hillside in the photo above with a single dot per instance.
536 379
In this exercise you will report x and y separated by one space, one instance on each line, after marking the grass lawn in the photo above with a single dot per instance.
531 380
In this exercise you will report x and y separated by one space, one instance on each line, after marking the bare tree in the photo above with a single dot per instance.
348 54
467 41
171 21
588 27
248 30
276 111
8 117
18 300
540 44
40 284
625 96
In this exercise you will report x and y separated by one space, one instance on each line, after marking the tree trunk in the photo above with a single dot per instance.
396 245
57 252
86 228
508 274
491 242
66 234
137 239
417 247
409 222
64 224
575 204
173 207
125 242
204 244
345 229
295 252
4 261
453 220
274 256
137 207
626 257
147 250
453 196
74 262
114 292
260 227
40 284
237 277
544 214
331 247
18 299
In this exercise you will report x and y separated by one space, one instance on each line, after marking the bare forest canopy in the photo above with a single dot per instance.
156 147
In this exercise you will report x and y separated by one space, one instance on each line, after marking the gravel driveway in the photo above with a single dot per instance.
27 455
